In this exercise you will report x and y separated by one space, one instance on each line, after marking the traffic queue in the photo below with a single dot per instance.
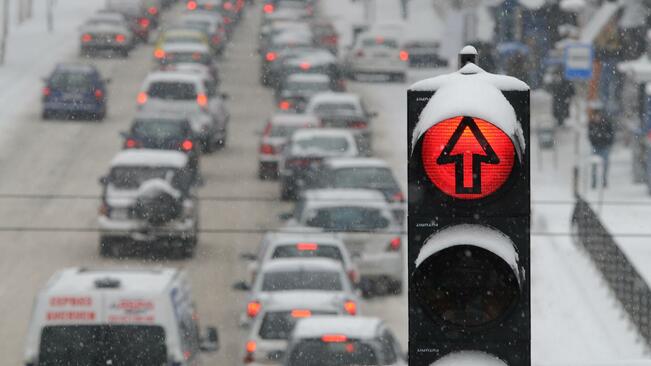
342 242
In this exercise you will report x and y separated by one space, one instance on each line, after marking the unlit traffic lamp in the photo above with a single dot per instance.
469 217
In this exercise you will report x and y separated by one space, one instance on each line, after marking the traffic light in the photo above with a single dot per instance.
469 216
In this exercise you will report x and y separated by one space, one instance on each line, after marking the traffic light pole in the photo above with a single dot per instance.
469 219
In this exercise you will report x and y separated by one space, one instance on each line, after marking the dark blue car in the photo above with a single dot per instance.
75 90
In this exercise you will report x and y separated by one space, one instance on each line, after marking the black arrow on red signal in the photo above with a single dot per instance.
461 159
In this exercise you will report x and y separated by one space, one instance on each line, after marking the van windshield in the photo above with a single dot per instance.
92 345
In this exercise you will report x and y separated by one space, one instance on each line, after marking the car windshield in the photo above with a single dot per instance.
70 81
133 176
280 324
172 90
318 353
320 144
307 250
94 345
363 177
348 219
302 280
159 130
335 108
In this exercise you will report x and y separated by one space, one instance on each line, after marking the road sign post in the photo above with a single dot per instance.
468 222
578 59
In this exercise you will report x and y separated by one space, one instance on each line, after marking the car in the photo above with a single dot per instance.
301 276
424 53
281 42
178 35
177 53
344 110
153 10
106 31
361 173
325 35
363 220
229 10
333 340
296 90
267 339
317 61
190 93
117 316
271 30
164 132
148 202
277 132
283 9
304 152
135 12
74 89
212 25
278 245
377 52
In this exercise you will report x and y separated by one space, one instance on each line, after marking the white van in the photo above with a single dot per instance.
116 317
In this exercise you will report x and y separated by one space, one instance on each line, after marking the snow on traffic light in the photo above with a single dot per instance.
469 216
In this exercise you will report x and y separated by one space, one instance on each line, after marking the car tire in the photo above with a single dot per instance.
262 174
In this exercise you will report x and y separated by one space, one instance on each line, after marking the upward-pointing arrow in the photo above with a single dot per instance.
467 163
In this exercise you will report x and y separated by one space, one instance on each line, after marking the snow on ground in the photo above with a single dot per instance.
32 52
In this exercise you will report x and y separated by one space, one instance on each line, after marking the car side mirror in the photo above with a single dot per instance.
210 340
241 286
103 180
285 216
248 257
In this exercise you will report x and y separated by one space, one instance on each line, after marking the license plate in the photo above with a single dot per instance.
71 96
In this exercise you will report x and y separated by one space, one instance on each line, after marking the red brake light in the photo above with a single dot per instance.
267 149
395 244
404 55
202 100
99 94
305 65
251 346
253 308
284 105
228 6
120 38
352 275
268 8
301 313
350 307
152 10
46 91
158 53
271 56
216 39
398 197
307 246
192 5
143 22
131 143
86 38
358 124
142 98
187 145
334 338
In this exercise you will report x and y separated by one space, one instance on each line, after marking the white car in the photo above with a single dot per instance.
188 94
349 341
363 220
377 52
344 110
309 276
275 135
279 245
267 339
116 317
304 152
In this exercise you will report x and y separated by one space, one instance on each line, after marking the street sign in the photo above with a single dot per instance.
468 220
578 60
467 157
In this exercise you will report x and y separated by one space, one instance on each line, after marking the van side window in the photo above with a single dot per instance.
388 346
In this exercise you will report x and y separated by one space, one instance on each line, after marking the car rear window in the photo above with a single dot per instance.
158 130
70 81
182 39
192 57
380 41
318 353
363 177
172 90
280 324
348 219
302 280
283 131
307 86
307 250
335 108
133 177
318 144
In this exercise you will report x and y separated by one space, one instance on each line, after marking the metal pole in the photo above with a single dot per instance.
50 16
5 31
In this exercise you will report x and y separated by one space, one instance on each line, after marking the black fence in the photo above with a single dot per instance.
624 280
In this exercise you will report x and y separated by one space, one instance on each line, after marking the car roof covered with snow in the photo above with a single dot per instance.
280 238
352 327
293 119
308 300
301 265
147 157
173 76
338 197
335 97
183 47
342 163
309 133
308 78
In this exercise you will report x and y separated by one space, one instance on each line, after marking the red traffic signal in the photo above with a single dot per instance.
467 158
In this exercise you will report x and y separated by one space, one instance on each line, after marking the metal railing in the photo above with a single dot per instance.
626 283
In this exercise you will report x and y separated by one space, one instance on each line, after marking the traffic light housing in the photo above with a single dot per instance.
469 217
